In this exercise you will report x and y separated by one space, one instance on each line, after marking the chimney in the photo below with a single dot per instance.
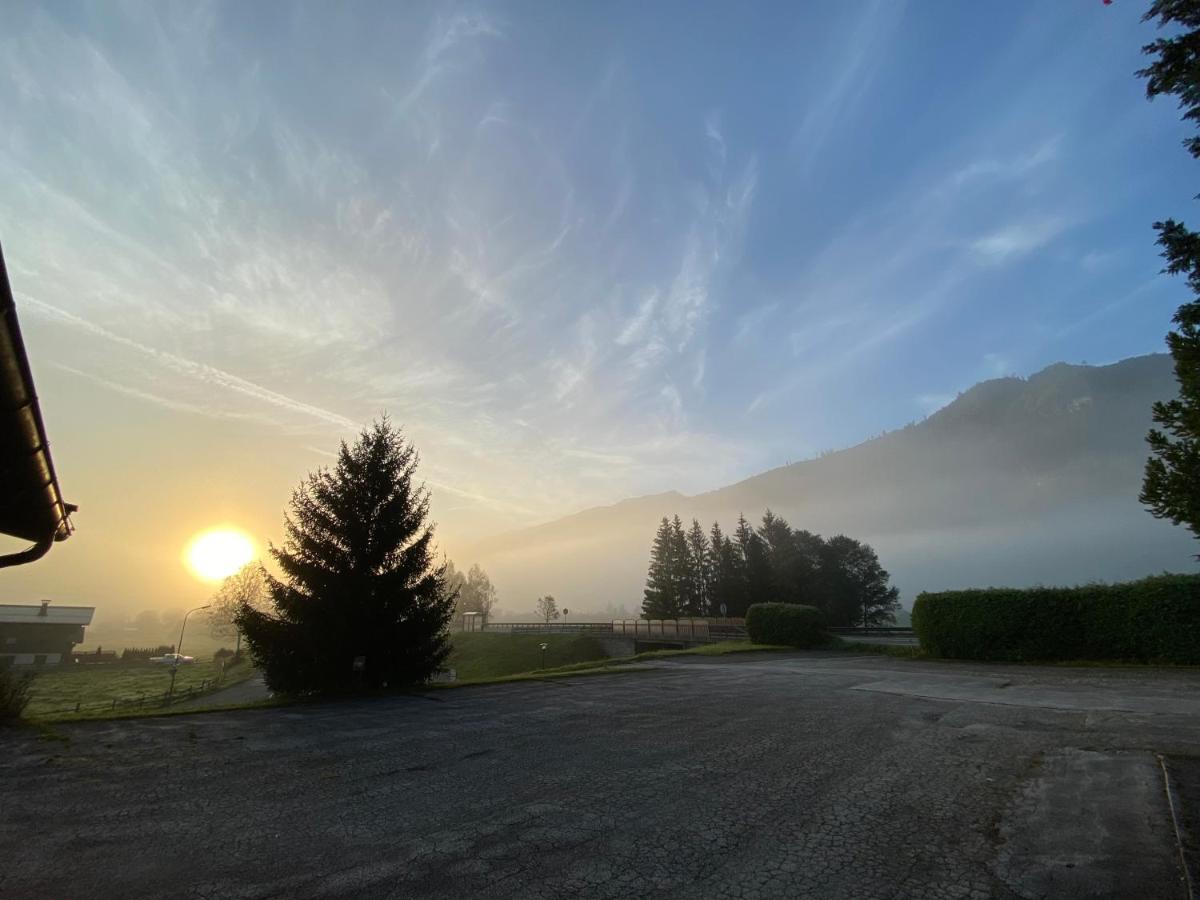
45 606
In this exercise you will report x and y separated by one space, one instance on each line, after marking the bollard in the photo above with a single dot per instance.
76 706
114 706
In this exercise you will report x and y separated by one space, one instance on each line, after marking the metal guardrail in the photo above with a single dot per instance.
698 630
895 630
550 627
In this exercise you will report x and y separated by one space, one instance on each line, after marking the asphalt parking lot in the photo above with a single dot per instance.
762 775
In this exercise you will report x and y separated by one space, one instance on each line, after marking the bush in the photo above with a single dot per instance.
14 693
1156 619
785 623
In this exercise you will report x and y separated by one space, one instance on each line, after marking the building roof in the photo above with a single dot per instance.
31 503
45 614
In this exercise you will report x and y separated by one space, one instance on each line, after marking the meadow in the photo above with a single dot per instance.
483 655
96 689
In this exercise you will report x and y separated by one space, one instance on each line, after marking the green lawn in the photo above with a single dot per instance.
57 690
491 655
483 656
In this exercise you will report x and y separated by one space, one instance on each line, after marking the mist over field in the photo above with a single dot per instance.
1014 482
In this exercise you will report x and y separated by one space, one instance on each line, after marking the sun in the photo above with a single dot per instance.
219 552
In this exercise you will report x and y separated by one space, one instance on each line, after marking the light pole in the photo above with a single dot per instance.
179 647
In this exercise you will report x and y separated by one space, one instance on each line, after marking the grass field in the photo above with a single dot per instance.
484 655
57 691
476 658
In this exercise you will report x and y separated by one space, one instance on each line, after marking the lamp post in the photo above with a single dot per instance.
179 647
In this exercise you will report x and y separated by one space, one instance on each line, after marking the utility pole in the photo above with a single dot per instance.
179 648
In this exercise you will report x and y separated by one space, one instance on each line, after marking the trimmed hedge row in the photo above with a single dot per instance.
1156 619
785 623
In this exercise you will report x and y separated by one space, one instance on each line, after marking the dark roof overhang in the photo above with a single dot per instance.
31 503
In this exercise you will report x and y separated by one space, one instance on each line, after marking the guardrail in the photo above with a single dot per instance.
700 630
550 627
897 630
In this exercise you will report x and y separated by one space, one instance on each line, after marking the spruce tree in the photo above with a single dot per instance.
1171 488
360 601
658 599
754 569
782 557
698 561
723 573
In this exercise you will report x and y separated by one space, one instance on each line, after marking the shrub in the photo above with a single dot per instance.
14 693
1156 619
785 623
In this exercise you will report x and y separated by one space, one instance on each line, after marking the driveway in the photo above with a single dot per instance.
764 775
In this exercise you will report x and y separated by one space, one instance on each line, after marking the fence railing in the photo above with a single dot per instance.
551 627
139 696
897 630
676 629
145 700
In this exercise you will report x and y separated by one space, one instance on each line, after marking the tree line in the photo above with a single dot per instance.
473 592
693 573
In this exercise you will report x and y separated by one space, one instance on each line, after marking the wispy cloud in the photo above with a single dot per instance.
536 267
847 73
1019 239
208 375
1011 168
172 403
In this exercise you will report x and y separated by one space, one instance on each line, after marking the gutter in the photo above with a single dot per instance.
32 506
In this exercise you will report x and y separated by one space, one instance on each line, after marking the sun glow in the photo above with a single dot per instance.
218 553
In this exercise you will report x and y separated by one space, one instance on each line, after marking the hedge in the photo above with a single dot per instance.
1156 619
785 623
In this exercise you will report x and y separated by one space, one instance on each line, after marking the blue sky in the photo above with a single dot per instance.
580 251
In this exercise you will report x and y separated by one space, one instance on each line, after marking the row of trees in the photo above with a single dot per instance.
474 591
697 574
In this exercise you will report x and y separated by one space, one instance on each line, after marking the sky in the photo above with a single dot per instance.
579 252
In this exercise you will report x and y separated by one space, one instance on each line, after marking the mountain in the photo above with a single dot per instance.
1016 482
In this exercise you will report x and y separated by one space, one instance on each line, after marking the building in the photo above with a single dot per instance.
32 507
41 635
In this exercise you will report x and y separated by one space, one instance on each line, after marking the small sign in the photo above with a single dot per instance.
360 664
724 609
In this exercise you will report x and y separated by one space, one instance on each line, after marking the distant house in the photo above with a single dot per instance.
37 635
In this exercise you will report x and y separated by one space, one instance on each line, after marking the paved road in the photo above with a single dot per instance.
251 690
760 776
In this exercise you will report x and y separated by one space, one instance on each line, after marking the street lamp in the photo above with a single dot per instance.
179 647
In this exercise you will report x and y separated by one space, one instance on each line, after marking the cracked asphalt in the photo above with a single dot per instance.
772 775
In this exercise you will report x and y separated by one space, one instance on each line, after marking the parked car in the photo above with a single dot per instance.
172 659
